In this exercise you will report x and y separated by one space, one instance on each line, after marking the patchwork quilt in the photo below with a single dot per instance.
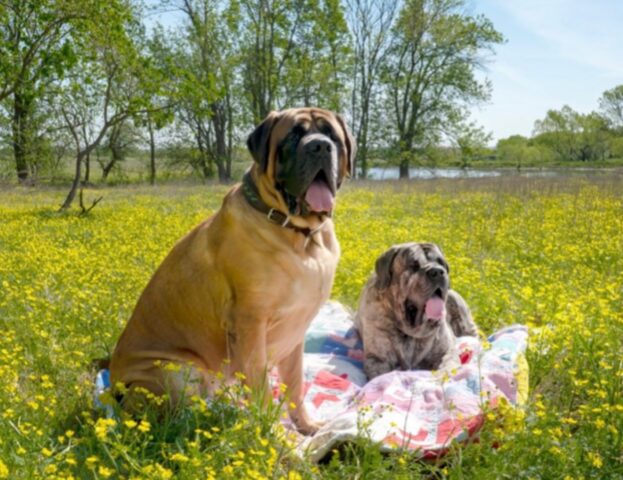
417 410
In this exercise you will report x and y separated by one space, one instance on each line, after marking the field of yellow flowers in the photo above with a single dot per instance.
546 253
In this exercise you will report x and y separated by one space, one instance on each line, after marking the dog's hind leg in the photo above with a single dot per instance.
165 385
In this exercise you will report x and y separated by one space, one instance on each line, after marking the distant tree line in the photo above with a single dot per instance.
83 82
568 136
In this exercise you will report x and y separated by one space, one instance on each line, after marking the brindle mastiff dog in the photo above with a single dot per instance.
408 317
237 293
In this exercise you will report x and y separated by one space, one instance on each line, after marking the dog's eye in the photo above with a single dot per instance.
414 266
298 130
326 129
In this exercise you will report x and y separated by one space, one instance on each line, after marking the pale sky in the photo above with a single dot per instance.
558 52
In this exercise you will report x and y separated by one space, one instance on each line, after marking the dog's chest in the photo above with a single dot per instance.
303 286
305 283
413 351
424 353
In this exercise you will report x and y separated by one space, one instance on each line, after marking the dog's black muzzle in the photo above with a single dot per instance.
313 158
438 280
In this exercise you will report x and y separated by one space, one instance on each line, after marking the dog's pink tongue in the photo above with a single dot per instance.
434 308
319 197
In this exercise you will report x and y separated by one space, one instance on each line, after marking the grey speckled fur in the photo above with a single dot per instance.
396 332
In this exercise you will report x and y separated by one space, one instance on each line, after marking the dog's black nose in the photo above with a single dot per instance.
435 273
318 146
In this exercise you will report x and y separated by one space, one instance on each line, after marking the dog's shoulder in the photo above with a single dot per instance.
459 316
372 304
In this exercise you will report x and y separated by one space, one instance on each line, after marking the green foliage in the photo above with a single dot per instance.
268 32
572 135
471 142
370 24
317 72
616 147
611 106
430 72
521 152
36 50
35 43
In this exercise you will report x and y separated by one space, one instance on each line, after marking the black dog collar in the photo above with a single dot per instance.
252 195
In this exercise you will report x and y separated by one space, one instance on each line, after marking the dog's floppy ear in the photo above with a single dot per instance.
383 268
258 142
351 147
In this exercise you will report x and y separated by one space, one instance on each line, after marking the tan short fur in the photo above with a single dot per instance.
237 289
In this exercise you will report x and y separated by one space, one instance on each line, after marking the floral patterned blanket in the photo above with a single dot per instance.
421 411
417 410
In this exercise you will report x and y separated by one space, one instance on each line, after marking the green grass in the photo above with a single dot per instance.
546 253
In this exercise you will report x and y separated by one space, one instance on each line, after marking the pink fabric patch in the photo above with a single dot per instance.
324 397
328 380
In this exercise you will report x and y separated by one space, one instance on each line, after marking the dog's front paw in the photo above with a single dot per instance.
309 427
304 424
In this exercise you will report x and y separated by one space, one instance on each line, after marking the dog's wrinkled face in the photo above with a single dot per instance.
306 152
416 278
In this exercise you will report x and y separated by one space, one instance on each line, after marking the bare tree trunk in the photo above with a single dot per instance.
108 167
205 165
230 133
205 161
206 170
362 153
219 122
115 150
19 136
404 169
152 152
87 168
76 182
406 148
362 141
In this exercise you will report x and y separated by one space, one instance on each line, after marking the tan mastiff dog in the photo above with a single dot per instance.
238 292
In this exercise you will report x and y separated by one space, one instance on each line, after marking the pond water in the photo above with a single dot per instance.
392 173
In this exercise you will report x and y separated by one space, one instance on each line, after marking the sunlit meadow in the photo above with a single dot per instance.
546 253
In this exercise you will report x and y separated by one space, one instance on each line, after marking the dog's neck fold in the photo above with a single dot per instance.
267 201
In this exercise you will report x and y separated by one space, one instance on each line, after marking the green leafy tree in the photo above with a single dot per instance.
471 142
205 60
370 24
157 50
611 106
36 49
521 151
110 84
572 135
316 74
269 33
594 138
558 131
430 70
121 137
